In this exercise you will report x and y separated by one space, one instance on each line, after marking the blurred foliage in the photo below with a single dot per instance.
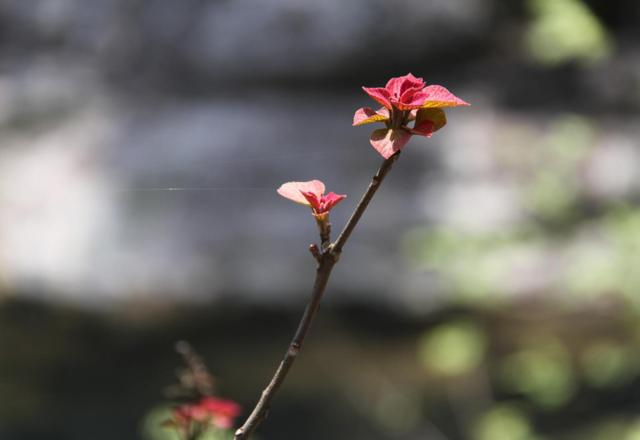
504 422
544 373
563 268
633 431
554 186
152 427
398 410
609 265
557 243
452 349
608 363
565 30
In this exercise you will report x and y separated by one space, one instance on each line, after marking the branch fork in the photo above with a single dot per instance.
327 255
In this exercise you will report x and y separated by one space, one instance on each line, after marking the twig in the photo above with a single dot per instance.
364 202
327 258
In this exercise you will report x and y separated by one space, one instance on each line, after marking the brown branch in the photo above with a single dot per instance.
260 411
327 258
364 202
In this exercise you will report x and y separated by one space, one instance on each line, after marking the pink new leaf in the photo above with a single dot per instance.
387 142
293 190
379 94
428 121
366 115
439 97
310 193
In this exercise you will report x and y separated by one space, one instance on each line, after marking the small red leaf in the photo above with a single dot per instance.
387 142
379 94
293 190
439 97
428 121
366 115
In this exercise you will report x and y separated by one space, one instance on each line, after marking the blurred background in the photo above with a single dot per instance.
491 292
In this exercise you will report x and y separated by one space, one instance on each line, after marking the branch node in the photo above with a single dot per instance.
294 349
327 256
313 248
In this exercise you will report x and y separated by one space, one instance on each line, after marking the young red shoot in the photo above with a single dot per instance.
405 99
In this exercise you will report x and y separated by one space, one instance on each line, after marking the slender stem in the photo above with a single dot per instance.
364 202
327 258
260 411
